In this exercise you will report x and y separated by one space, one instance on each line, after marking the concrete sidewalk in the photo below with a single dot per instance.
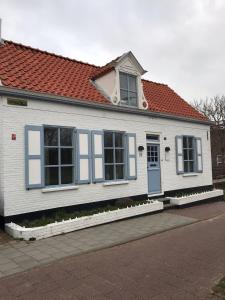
17 256
180 264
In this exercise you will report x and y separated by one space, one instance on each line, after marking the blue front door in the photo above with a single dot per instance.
153 165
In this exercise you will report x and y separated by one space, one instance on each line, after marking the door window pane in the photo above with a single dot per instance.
51 175
51 136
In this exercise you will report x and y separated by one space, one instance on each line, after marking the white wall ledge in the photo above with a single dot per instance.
190 174
195 197
59 188
56 228
109 183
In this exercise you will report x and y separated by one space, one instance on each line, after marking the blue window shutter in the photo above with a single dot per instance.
131 156
34 157
97 156
199 162
83 143
179 154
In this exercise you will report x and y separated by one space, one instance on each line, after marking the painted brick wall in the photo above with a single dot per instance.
18 200
1 160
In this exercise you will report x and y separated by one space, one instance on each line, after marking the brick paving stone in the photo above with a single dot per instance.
16 256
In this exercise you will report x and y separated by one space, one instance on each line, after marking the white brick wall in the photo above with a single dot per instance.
18 200
1 159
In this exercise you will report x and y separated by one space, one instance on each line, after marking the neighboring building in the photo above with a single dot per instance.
73 133
218 152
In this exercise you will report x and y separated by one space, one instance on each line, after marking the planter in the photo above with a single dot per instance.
195 197
56 228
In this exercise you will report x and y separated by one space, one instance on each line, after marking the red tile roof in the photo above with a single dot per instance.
31 69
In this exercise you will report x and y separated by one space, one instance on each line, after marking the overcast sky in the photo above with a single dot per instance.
179 42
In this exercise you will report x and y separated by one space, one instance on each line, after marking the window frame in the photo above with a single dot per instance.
128 90
194 160
59 147
114 163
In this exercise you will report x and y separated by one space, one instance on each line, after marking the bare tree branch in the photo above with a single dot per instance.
213 108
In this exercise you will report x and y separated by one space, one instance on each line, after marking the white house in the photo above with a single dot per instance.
73 133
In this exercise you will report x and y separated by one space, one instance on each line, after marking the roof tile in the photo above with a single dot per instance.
26 68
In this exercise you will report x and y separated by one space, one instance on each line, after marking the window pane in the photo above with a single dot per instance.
190 142
119 155
184 142
132 84
186 166
119 172
51 156
132 99
108 139
52 176
66 136
191 166
109 172
66 175
191 155
51 136
185 154
124 97
118 139
108 155
123 81
66 156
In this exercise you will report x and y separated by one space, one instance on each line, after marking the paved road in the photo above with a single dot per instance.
182 263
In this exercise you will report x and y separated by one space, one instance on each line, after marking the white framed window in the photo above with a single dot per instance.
128 89
188 154
114 161
58 155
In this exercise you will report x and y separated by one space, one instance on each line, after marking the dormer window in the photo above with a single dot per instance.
128 89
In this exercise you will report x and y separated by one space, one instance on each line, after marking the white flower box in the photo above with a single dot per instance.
195 197
56 228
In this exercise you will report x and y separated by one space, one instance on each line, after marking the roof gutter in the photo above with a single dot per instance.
19 93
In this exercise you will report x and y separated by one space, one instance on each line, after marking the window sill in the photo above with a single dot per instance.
61 188
109 183
190 174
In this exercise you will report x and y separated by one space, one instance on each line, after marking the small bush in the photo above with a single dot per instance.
62 214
